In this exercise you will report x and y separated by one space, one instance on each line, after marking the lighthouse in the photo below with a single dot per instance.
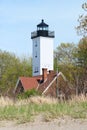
42 45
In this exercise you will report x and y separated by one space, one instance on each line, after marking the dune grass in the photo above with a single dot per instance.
26 110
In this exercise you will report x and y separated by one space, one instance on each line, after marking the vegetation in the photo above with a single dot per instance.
11 67
71 60
28 93
27 110
65 56
82 27
82 60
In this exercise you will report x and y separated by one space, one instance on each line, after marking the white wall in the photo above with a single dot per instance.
44 52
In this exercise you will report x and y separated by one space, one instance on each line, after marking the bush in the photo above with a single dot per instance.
28 94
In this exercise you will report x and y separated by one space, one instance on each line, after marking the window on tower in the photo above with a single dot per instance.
35 44
36 54
36 70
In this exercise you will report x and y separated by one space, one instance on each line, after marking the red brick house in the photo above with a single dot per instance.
49 84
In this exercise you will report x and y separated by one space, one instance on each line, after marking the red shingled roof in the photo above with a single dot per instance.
29 82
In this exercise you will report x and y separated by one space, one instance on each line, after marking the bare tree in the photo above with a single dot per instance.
82 27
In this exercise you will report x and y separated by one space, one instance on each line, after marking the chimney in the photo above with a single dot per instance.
44 74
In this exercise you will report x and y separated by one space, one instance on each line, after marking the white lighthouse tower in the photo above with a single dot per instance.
42 48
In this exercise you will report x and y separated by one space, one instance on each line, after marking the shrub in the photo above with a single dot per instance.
28 94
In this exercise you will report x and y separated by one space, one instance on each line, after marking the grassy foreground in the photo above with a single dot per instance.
25 110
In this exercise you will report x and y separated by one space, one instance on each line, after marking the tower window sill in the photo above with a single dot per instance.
36 71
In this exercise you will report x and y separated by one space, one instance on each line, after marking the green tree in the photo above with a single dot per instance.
65 60
82 58
80 66
11 67
82 53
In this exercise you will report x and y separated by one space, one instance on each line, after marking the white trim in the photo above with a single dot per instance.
16 85
60 73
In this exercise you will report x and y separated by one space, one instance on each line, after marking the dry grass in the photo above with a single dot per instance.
80 98
5 101
24 110
43 100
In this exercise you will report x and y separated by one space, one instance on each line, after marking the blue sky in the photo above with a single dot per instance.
18 18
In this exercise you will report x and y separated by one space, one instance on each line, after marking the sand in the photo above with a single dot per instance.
56 124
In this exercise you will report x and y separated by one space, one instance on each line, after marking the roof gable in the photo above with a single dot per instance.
28 82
